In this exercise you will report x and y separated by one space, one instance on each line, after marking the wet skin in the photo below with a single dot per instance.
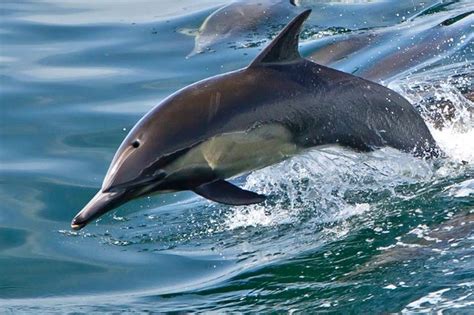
241 18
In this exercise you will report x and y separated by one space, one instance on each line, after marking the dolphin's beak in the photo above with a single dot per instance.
100 204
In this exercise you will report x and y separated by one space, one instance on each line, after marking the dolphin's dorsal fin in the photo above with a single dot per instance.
284 48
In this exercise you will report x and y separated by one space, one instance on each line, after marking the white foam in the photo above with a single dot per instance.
464 189
256 215
432 298
456 137
435 301
313 186
458 146
350 211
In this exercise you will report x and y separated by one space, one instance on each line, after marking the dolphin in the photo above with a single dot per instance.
230 124
438 238
240 18
385 54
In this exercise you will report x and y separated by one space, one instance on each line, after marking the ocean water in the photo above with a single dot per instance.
342 231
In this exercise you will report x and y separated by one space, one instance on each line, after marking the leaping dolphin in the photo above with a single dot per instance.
226 125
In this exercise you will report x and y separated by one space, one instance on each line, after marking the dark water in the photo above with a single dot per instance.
343 231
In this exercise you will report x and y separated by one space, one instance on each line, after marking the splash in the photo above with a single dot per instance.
444 99
333 183
438 302
325 186
461 190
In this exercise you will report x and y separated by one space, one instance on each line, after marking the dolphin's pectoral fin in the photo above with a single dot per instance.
227 193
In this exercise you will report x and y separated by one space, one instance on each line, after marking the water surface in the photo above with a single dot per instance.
342 231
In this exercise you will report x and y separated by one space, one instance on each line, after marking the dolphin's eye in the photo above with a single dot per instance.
136 144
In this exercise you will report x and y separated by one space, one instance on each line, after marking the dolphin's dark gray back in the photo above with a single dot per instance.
324 106
336 107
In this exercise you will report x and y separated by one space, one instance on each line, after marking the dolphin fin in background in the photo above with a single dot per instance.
455 19
284 47
227 193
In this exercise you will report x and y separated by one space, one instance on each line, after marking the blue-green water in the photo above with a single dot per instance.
342 231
